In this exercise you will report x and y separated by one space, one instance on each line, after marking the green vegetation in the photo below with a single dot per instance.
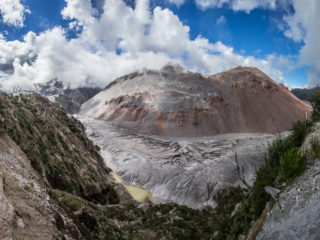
180 222
314 98
283 163
163 221
315 148
300 129
292 164
70 201
171 221
305 94
56 146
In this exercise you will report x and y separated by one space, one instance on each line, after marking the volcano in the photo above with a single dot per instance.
172 102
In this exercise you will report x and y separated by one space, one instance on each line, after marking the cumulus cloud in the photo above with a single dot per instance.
81 10
121 40
73 62
303 26
13 12
237 5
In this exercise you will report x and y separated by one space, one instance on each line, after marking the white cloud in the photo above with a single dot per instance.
177 2
303 26
212 58
13 12
120 41
237 5
204 4
249 5
81 10
221 20
283 63
72 61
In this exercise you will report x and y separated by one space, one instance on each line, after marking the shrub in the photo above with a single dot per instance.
292 164
315 147
300 129
274 152
68 200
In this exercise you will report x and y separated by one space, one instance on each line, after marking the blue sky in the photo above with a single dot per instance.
255 34
261 32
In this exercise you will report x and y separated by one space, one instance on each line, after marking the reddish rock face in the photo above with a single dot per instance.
174 103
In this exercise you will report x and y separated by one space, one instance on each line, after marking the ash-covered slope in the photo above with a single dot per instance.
171 102
188 172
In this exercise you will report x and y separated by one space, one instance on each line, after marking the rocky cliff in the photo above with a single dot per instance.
25 208
69 99
296 216
56 146
171 102
50 170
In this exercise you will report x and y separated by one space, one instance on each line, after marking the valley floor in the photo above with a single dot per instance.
184 171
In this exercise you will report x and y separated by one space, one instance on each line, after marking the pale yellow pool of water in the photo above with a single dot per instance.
138 194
